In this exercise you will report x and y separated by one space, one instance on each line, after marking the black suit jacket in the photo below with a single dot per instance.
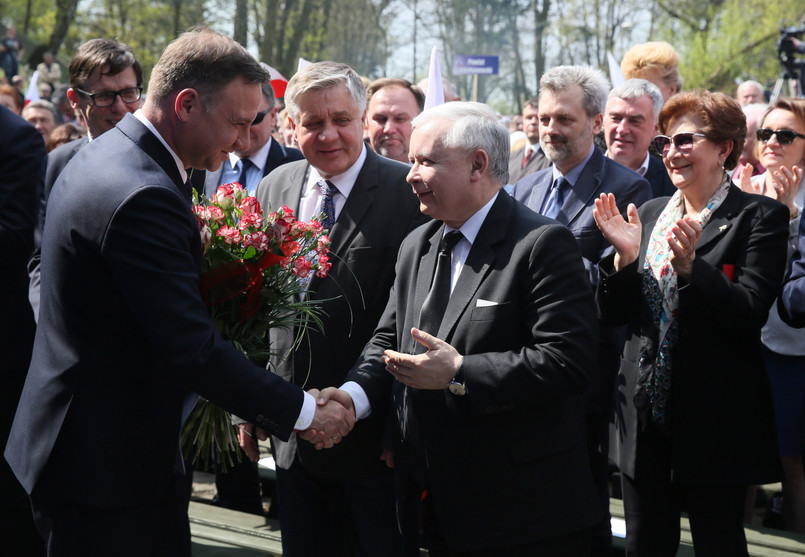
791 303
123 334
277 156
380 210
722 424
538 161
512 451
657 176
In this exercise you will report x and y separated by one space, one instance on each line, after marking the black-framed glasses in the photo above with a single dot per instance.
682 141
785 137
107 98
260 116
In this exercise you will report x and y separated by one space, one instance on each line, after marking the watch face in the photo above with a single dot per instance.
458 389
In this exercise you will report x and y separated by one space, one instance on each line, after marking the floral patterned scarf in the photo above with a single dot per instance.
660 292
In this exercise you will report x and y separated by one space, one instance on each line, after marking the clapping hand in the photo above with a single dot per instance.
684 237
334 418
624 236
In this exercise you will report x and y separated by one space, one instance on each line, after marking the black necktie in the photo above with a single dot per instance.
439 295
245 165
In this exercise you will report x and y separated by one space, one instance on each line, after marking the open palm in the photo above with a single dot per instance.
622 234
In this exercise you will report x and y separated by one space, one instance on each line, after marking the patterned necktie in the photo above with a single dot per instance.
555 198
527 157
327 205
430 318
245 165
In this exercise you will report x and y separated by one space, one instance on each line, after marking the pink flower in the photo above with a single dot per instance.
238 192
206 236
216 214
230 234
301 267
250 205
258 239
248 220
323 269
225 196
323 245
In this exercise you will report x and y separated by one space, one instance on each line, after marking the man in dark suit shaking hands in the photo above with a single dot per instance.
123 333
487 380
346 494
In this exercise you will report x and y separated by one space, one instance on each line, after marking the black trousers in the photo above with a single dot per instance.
652 509
161 529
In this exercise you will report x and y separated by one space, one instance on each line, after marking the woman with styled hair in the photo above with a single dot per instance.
693 277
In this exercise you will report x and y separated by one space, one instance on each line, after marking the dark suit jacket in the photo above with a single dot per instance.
277 156
600 175
791 303
722 425
123 334
512 451
22 157
657 176
380 211
538 161
57 159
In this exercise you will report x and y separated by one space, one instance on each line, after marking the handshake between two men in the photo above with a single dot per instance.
335 411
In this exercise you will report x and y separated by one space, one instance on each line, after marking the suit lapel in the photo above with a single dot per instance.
275 157
479 262
539 190
290 191
721 221
424 274
153 147
584 188
358 204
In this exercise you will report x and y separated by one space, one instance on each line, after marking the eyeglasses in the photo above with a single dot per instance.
682 141
260 116
107 98
785 137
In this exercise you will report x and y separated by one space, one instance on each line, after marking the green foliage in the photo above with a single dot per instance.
728 40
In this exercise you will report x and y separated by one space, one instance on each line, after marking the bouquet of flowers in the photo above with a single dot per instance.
256 270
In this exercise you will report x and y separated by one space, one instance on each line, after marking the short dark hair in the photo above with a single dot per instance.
533 102
106 56
384 82
206 61
720 116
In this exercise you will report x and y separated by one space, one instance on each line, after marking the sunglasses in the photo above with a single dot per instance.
682 141
784 137
260 116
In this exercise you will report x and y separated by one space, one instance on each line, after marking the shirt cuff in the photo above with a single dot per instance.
305 418
359 399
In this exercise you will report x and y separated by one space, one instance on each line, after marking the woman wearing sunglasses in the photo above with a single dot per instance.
693 277
781 149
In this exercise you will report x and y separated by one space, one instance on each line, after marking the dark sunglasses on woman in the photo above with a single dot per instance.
784 137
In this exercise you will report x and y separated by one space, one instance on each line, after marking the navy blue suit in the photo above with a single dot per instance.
22 158
123 337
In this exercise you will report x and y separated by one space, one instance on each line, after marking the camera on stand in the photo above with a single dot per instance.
788 46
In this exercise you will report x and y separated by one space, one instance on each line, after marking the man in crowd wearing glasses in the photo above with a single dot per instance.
263 155
105 84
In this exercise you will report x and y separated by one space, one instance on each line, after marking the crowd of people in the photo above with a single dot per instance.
511 312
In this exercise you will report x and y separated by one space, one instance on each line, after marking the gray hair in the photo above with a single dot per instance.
323 75
475 126
750 83
594 85
41 103
636 88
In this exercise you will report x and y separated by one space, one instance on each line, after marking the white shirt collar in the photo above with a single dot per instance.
344 181
141 117
258 159
644 167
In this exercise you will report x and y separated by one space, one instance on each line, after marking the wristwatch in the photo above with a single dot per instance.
457 384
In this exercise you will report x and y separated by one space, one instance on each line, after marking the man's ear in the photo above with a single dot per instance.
480 164
187 102
72 96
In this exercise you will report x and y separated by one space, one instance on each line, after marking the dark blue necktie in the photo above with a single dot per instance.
430 318
555 198
245 165
328 191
